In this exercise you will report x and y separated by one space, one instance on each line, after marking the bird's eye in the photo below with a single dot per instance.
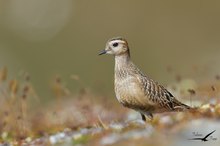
115 44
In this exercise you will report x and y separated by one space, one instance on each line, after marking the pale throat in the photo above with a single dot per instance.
122 61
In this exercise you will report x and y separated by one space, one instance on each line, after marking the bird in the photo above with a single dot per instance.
204 138
136 90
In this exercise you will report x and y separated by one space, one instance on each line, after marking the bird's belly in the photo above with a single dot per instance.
130 94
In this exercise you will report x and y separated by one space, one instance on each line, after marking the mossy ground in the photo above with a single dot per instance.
85 118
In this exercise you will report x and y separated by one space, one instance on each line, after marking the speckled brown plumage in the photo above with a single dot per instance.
136 90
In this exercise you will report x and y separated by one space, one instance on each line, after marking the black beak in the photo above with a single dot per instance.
102 52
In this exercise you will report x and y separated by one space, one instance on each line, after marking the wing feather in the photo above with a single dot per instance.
159 95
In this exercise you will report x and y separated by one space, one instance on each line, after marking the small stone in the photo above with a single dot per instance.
110 139
166 120
28 139
212 101
77 136
4 135
61 135
205 106
116 126
53 140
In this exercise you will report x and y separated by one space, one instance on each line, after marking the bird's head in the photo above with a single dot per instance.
116 46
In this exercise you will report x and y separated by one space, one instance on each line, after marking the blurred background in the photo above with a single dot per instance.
49 38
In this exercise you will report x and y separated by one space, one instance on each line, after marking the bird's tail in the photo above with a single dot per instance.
181 106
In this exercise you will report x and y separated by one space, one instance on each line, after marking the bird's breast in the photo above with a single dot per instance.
128 91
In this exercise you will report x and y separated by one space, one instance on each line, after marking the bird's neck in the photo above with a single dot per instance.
122 61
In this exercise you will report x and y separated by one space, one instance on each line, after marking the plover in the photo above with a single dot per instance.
136 90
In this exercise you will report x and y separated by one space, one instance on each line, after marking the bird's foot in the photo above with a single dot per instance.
147 117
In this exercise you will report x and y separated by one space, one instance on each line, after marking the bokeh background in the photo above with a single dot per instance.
48 38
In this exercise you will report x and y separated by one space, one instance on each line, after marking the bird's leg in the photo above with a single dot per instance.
143 117
148 115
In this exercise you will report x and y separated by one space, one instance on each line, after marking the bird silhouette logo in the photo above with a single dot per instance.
203 138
